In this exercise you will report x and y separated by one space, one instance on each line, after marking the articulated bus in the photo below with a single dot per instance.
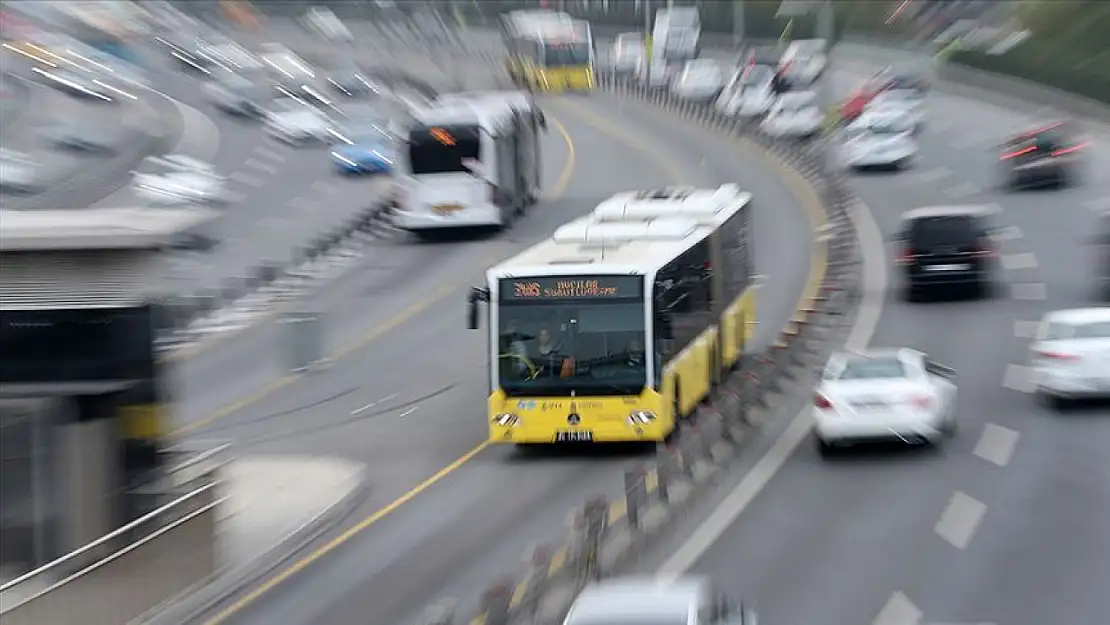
549 51
621 323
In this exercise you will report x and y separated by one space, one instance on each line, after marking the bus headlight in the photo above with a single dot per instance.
640 417
507 420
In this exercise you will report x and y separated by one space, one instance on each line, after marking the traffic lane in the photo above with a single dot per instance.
781 256
398 275
959 158
434 352
484 535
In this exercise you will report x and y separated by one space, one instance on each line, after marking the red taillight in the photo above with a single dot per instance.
985 249
1020 152
906 257
921 403
1069 150
821 403
1060 356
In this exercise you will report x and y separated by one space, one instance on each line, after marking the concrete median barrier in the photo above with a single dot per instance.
605 535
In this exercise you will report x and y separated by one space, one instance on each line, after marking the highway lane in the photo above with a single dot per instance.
477 521
1007 523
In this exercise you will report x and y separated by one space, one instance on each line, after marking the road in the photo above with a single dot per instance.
406 398
1005 525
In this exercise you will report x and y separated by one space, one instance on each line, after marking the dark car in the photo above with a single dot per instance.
944 248
351 82
1049 155
1101 242
769 57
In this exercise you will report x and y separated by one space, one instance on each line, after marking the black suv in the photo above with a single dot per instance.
946 247
1048 155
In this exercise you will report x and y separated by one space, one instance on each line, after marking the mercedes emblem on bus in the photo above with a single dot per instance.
573 419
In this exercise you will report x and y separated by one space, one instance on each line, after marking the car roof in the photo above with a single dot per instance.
970 210
1075 316
633 597
876 353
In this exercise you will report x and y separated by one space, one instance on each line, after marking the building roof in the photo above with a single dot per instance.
96 229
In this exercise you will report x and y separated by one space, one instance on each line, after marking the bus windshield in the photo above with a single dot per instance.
585 346
442 149
566 54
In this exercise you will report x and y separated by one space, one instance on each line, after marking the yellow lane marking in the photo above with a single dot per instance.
556 191
398 319
271 583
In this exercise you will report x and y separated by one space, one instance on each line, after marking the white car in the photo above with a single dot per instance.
236 95
909 101
18 172
178 179
294 121
322 21
627 53
794 114
749 93
1070 358
804 61
701 79
896 394
683 601
882 138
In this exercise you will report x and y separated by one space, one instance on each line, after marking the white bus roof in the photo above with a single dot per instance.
517 99
646 239
488 115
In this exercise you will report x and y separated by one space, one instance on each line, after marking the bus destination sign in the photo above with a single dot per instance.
572 287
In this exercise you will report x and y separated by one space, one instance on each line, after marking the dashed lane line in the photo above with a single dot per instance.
960 519
996 444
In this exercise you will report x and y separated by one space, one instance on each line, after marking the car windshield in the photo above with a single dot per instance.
884 368
941 230
551 345
1066 331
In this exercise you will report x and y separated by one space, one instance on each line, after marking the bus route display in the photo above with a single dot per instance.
571 287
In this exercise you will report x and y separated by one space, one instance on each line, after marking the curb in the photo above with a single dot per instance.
605 534
223 585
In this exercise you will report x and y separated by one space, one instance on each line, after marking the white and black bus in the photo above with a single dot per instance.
472 160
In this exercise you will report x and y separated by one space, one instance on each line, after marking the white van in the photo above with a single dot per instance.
472 160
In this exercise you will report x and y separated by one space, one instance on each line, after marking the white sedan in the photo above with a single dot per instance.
908 101
880 138
897 394
701 79
749 93
294 121
1071 357
794 114
324 22
178 179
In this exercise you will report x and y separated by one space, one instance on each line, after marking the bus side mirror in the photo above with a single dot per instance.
476 295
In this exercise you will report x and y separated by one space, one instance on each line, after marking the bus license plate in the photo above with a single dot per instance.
444 209
574 436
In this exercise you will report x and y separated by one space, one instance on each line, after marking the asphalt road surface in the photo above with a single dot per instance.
407 395
1008 523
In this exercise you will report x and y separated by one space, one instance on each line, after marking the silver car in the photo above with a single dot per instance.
651 601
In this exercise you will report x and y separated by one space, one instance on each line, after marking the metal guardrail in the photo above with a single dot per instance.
135 568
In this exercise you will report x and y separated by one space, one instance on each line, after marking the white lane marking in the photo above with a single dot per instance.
996 444
1009 233
1026 329
247 179
1098 205
1018 378
961 191
257 165
898 610
960 519
1028 291
1024 260
867 319
408 412
373 403
303 204
270 153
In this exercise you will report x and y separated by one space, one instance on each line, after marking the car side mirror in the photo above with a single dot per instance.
542 119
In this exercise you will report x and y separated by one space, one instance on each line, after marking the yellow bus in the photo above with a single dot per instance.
621 323
549 51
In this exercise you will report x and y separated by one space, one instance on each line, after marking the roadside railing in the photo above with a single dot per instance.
137 567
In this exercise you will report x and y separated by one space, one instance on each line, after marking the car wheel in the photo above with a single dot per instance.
824 448
1055 402
950 426
912 293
